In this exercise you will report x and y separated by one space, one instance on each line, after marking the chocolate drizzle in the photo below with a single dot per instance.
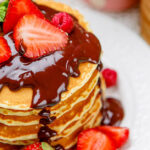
46 119
100 66
48 76
112 112
45 133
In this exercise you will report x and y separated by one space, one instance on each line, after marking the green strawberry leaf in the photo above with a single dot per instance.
46 146
3 10
4 3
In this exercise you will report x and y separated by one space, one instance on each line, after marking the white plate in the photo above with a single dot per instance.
130 56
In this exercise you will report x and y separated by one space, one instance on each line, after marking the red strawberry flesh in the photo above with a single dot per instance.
63 21
17 9
92 139
35 146
5 52
36 37
119 135
110 77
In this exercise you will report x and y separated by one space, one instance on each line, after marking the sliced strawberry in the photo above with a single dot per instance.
118 135
92 139
16 9
35 37
39 146
35 146
5 52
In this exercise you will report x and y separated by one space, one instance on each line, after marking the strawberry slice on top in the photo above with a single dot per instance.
35 37
5 52
17 9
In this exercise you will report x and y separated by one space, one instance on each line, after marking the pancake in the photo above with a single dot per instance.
81 119
19 133
13 120
60 124
79 107
67 140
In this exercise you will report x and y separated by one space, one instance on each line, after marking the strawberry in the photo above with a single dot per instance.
35 37
39 146
110 77
92 139
35 146
5 52
118 135
17 9
63 21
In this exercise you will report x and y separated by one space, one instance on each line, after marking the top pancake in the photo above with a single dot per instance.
22 99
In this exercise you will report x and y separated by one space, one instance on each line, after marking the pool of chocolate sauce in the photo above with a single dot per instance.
112 112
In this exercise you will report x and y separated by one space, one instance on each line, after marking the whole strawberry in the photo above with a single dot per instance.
39 146
63 21
110 77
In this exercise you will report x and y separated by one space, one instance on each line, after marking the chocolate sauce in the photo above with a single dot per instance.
46 118
48 76
99 82
100 66
112 112
45 133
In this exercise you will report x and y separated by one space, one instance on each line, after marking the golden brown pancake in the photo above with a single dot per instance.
34 117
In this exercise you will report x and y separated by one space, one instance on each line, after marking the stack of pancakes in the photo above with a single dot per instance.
145 19
78 109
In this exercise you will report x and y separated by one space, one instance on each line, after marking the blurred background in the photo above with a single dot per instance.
134 14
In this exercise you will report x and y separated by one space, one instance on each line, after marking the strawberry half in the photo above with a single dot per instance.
92 139
118 135
35 146
35 37
17 9
39 146
5 52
